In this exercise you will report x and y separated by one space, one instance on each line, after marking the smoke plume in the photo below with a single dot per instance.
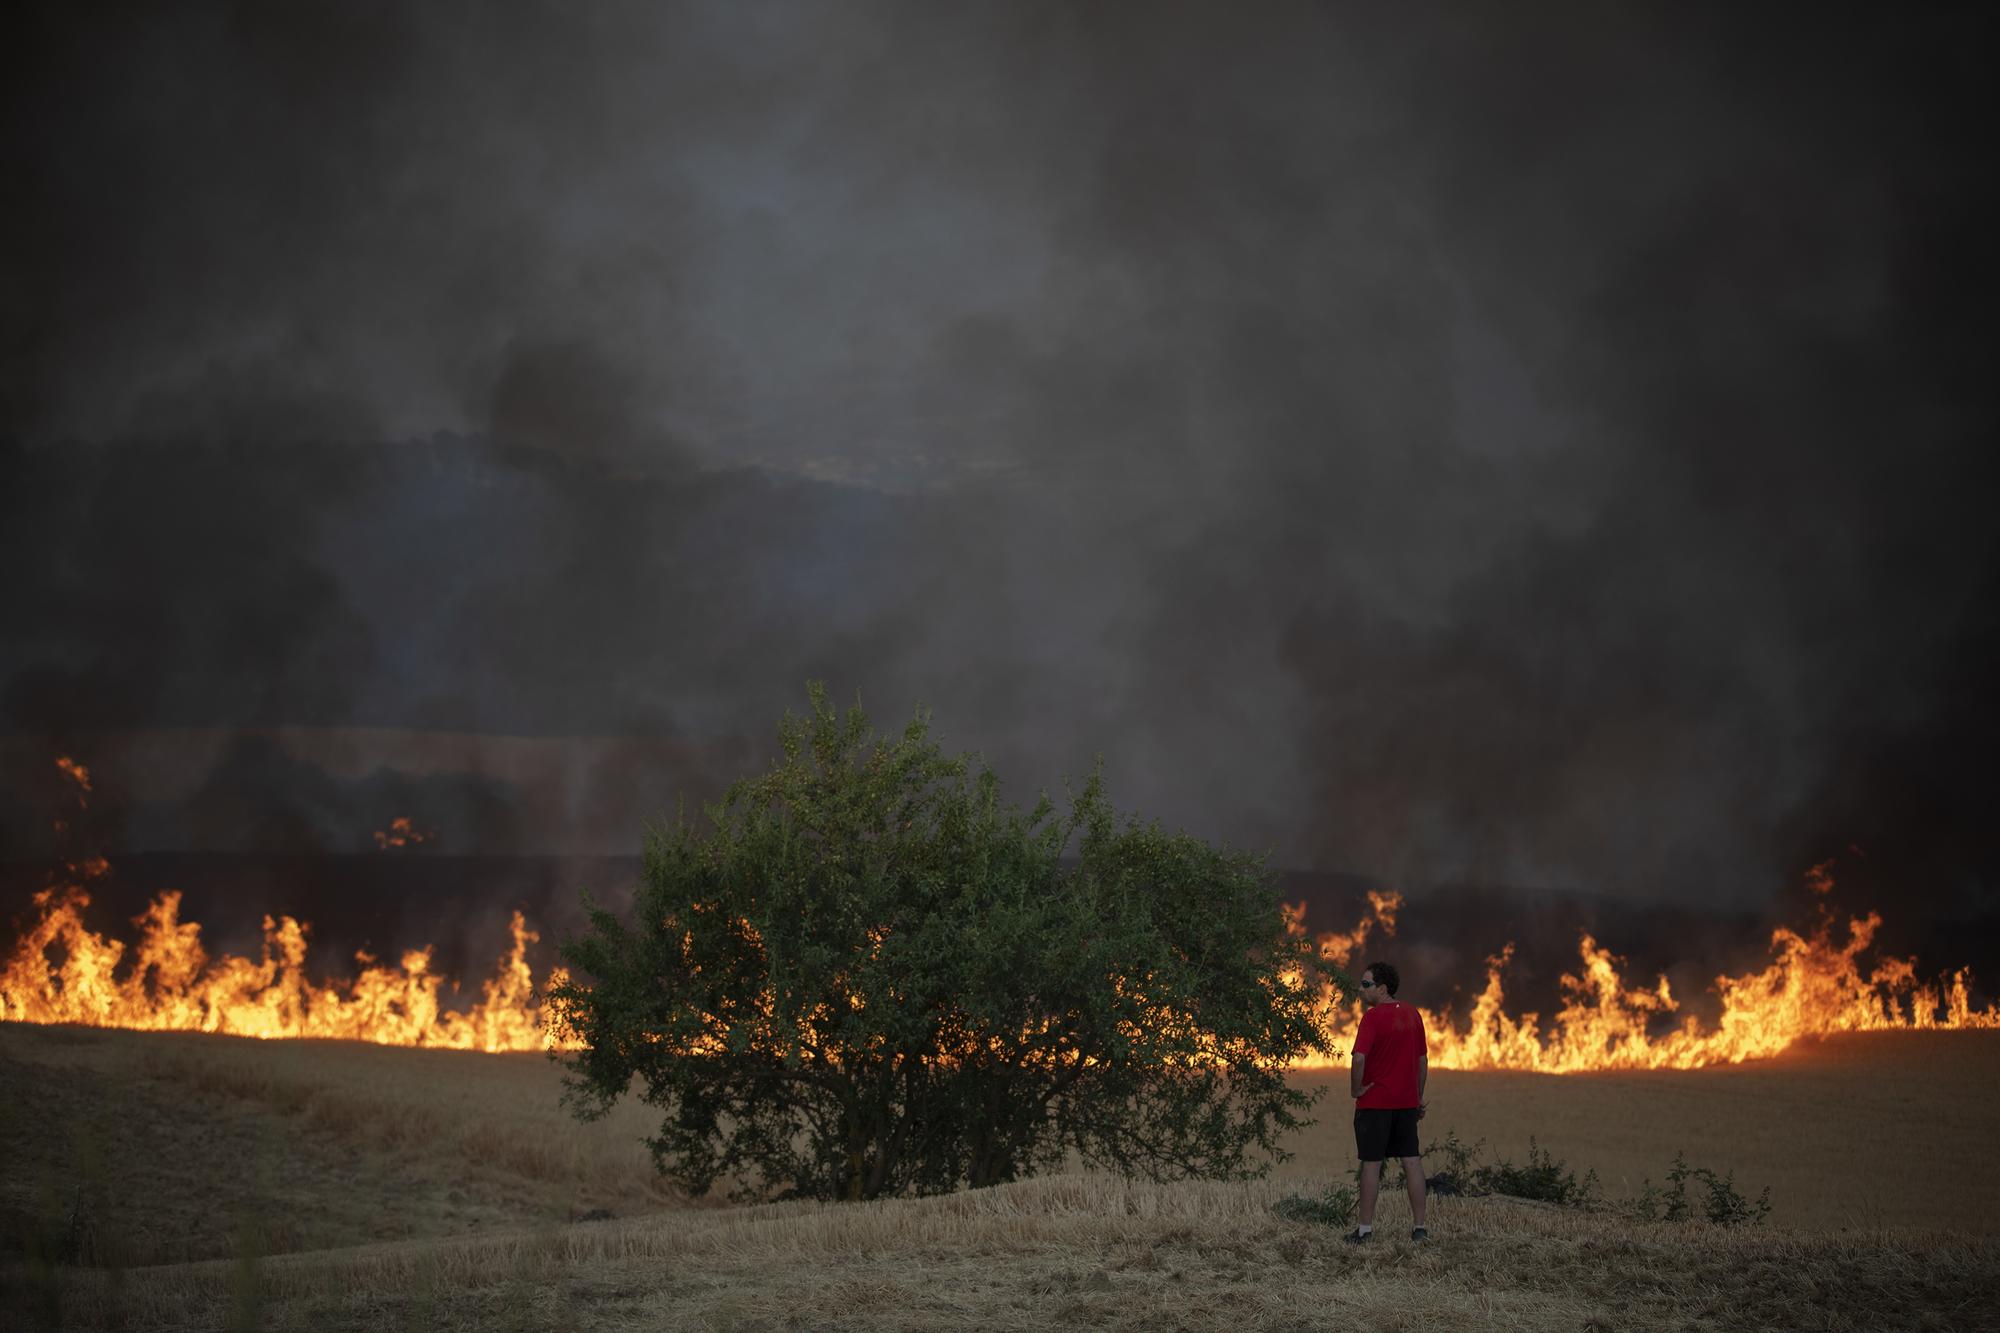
1465 448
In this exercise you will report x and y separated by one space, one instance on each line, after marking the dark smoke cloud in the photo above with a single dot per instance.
1538 450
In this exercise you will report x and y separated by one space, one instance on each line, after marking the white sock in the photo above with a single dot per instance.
1365 1228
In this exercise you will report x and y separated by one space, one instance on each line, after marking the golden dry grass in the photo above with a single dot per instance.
365 1148
188 1140
1087 1251
1842 1130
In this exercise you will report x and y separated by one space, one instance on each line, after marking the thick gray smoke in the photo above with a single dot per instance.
1515 448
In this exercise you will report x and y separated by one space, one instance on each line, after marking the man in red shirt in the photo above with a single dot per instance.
1391 1065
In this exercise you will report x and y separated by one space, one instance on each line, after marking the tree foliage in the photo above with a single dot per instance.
864 974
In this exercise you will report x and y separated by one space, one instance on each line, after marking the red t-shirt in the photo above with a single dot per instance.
1392 1037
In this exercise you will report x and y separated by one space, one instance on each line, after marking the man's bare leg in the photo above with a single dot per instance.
1413 1180
1371 1184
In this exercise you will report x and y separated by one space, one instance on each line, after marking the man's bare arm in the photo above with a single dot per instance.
1355 1086
1423 1078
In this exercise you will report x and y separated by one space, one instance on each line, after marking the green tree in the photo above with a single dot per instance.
863 974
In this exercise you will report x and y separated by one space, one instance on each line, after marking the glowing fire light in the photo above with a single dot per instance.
1814 987
172 984
402 832
80 777
63 972
76 773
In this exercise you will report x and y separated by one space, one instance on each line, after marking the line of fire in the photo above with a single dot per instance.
1823 978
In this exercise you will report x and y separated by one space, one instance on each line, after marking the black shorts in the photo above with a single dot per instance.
1380 1132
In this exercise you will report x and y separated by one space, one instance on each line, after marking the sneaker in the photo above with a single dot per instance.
1420 1233
1358 1236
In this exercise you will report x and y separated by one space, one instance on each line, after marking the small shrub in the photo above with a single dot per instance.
1455 1173
1545 1177
1332 1207
1725 1205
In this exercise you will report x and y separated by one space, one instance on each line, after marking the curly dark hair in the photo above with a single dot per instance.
1385 976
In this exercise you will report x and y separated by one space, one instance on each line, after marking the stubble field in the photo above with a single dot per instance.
201 1182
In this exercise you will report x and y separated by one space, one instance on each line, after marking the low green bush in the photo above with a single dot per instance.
1455 1172
1724 1206
1544 1177
1548 1179
1332 1207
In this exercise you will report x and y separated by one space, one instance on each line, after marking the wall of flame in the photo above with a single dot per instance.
1818 983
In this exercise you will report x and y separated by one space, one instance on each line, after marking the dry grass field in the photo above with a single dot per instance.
221 1183
1844 1131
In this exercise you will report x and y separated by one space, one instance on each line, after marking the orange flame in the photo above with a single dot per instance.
80 777
76 773
402 832
1814 987
172 984
1337 947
